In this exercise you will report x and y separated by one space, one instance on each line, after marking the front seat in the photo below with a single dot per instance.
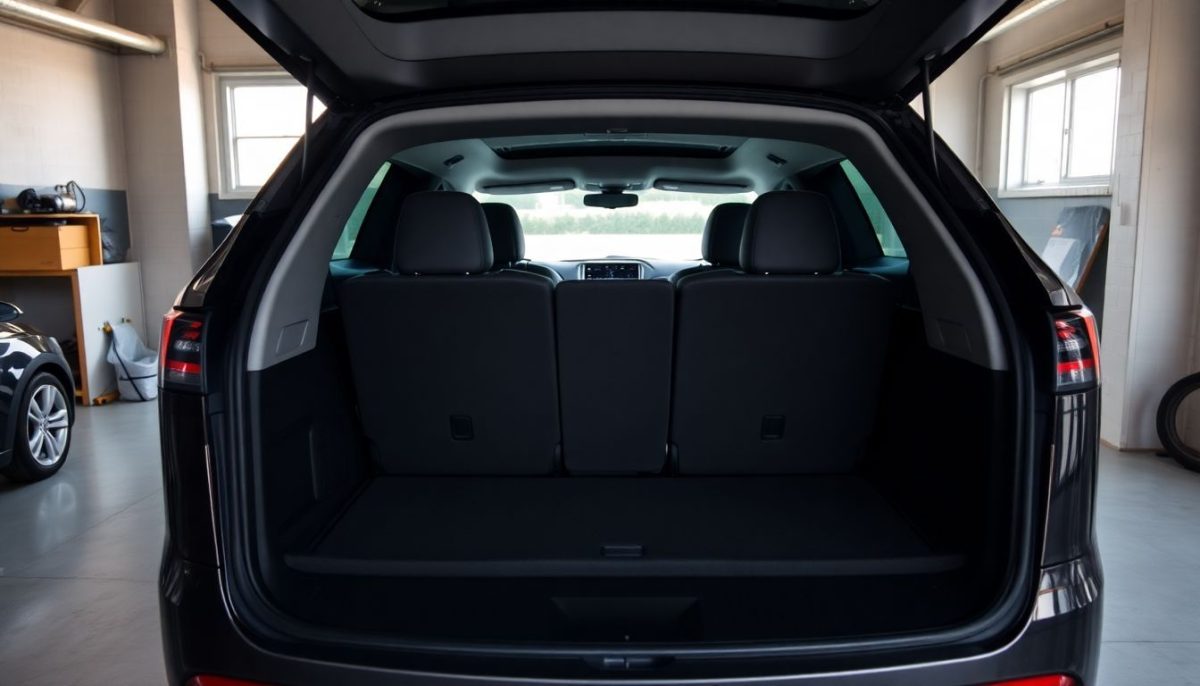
778 366
424 339
720 246
508 242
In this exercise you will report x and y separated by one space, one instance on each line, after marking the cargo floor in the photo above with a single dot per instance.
780 526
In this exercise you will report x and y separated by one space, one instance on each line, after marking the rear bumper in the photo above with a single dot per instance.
201 637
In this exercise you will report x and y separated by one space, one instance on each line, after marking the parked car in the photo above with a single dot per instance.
37 396
847 434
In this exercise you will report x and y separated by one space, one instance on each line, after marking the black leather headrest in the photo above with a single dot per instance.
442 232
508 241
722 241
790 232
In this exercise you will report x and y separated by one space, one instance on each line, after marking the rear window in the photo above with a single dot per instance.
884 230
419 9
345 242
665 225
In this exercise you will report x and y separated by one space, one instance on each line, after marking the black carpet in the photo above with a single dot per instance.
625 527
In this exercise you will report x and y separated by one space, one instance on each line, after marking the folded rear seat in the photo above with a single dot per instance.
778 366
454 365
614 361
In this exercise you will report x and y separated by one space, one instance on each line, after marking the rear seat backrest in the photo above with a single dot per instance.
777 367
454 366
614 361
720 245
508 241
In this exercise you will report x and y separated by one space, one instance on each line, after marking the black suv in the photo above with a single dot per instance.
652 342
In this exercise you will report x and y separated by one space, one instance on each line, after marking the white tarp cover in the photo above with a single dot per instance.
135 364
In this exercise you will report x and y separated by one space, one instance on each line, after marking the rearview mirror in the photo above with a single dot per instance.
610 200
9 312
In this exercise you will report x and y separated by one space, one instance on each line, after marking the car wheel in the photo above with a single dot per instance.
43 430
1167 422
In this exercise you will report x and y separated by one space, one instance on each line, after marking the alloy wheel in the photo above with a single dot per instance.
48 425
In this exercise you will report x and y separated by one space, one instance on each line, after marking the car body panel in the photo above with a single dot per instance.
24 351
210 627
201 637
351 57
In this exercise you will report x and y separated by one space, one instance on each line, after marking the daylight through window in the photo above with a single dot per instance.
262 117
1062 127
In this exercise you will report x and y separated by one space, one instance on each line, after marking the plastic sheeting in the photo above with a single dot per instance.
135 364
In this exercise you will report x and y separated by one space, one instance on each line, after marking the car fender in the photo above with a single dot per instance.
46 359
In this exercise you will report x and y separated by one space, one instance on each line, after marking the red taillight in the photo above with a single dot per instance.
1054 680
1078 351
181 351
221 681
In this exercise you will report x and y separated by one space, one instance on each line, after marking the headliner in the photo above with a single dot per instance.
616 159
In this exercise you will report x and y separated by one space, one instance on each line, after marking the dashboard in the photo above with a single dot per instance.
606 271
617 268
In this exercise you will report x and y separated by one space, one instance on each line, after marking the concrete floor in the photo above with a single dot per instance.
79 559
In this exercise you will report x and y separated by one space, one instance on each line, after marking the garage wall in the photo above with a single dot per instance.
166 162
1035 216
1154 287
225 47
956 105
1056 26
61 119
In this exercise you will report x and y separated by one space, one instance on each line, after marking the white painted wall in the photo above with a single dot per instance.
225 47
1153 281
1055 26
977 139
129 122
192 126
61 109
1064 21
224 44
956 104
166 151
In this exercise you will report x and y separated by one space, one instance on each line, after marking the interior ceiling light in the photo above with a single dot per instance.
1024 12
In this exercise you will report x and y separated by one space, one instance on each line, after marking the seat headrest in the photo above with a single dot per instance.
790 232
508 241
442 232
721 244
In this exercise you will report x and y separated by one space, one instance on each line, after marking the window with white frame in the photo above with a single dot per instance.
1061 129
261 118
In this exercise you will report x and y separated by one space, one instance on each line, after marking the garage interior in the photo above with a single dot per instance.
149 132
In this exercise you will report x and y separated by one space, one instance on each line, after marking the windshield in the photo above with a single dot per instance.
664 225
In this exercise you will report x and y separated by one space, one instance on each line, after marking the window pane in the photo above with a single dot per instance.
257 159
1093 118
350 231
884 230
664 224
399 8
269 110
1044 140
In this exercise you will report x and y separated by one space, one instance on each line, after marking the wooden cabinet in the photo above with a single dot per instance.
27 243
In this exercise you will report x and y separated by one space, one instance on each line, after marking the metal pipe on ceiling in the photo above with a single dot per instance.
64 22
1111 29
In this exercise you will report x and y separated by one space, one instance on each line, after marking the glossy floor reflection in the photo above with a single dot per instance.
79 557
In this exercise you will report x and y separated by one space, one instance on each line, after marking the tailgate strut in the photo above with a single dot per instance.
927 107
308 111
